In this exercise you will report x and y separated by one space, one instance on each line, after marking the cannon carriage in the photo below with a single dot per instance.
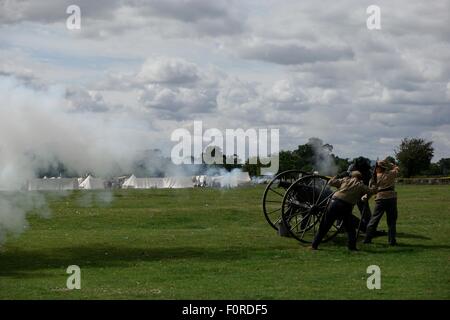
294 203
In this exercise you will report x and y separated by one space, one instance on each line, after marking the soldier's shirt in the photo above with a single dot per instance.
386 184
350 189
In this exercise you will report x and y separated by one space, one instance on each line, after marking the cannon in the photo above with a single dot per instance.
295 201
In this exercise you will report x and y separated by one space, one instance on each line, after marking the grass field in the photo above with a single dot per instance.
215 244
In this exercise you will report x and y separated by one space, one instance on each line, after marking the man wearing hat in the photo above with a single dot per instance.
363 165
350 190
385 201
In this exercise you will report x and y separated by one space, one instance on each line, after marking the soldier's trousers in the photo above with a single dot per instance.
390 207
364 208
337 209
362 223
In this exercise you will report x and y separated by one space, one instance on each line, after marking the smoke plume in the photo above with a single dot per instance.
39 128
323 160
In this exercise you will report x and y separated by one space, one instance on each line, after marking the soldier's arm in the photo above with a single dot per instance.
335 182
371 190
368 191
395 170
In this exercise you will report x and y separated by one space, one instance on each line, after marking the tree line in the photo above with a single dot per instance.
413 155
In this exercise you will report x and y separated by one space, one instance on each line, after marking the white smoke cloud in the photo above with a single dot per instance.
323 161
14 208
225 179
38 128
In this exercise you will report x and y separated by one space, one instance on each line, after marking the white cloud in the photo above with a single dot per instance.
177 103
309 68
293 54
168 70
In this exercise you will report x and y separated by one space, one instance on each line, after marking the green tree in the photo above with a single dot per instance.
287 160
342 164
254 168
313 155
304 157
444 165
433 170
414 156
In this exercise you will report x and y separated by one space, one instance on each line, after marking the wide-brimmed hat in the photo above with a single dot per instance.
356 174
384 164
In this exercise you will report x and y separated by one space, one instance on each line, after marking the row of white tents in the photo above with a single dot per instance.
63 184
233 180
158 183
132 182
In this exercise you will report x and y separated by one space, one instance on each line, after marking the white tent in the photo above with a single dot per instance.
178 182
130 182
92 183
52 184
142 183
158 183
149 183
229 180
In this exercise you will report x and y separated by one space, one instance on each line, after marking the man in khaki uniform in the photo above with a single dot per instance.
385 201
350 190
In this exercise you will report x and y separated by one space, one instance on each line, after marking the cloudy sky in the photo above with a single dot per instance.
309 68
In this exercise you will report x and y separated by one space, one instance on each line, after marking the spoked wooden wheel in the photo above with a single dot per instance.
274 193
304 206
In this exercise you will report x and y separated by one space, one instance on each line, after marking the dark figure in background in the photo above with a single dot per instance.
385 201
350 190
363 165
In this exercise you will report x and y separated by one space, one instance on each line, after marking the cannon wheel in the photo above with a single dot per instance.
303 208
274 193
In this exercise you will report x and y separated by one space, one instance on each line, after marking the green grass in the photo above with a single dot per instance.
215 244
